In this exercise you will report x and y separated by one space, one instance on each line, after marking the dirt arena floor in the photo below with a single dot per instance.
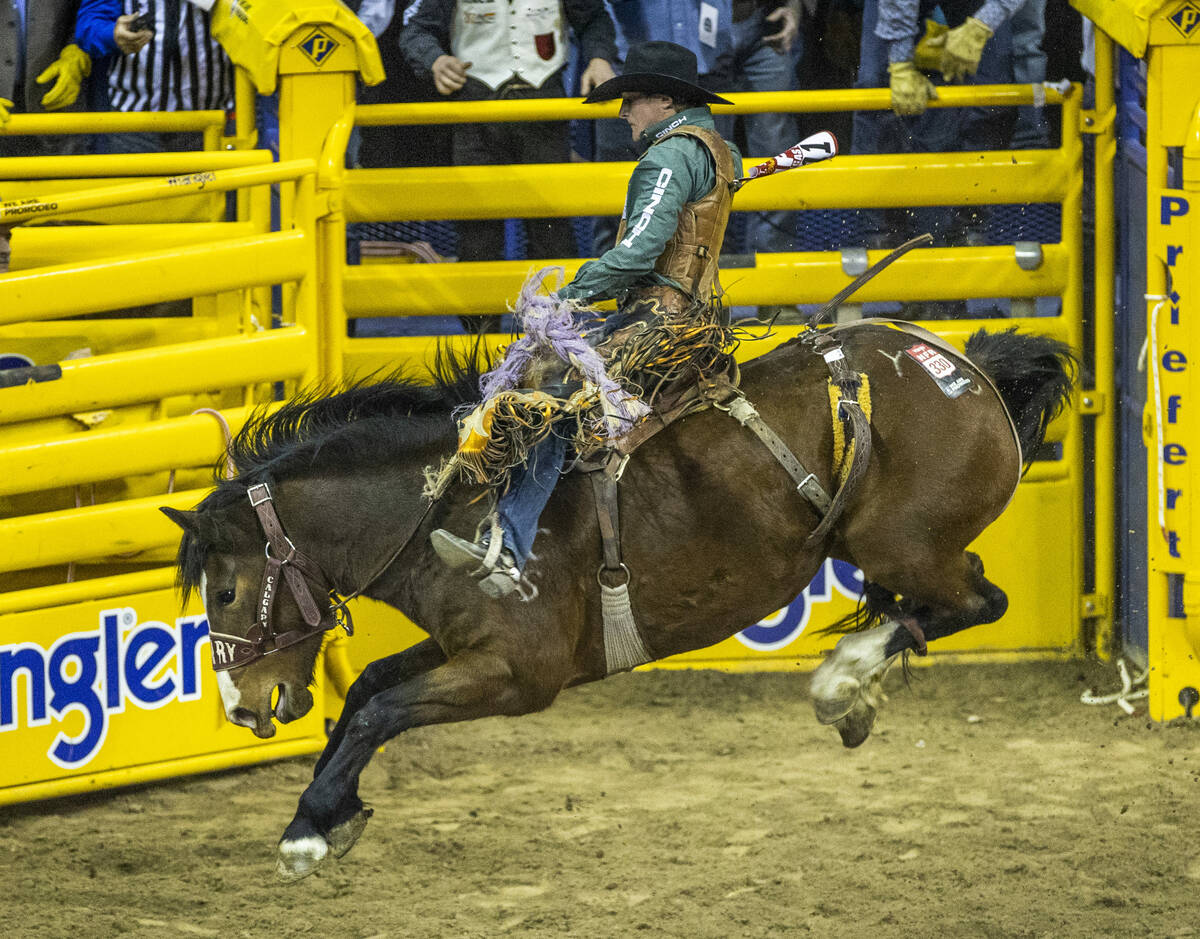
988 802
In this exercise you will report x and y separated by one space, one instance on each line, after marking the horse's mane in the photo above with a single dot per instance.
370 422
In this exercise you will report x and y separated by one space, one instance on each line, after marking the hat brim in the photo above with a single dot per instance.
654 84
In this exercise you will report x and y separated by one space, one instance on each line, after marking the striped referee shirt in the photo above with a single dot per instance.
181 69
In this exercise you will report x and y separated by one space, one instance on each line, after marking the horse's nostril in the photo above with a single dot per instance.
243 716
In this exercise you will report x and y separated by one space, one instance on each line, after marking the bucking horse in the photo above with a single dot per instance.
716 530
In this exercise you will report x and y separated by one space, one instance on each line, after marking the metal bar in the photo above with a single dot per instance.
795 102
129 164
113 122
82 591
800 277
173 274
43 245
15 212
92 532
112 335
132 450
1104 316
566 189
106 381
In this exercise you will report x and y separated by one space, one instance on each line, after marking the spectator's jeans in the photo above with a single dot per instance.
758 67
498 144
938 129
1029 67
529 490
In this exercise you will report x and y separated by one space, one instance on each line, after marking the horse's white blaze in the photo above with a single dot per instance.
230 696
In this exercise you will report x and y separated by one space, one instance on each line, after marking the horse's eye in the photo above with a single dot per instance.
225 597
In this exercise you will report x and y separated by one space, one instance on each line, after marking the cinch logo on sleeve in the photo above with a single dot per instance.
660 186
145 664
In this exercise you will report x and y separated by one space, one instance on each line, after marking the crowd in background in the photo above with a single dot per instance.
158 55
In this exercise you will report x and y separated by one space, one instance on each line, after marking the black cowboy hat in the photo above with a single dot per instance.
656 68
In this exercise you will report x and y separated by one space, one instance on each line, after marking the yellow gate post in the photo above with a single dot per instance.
1168 36
312 52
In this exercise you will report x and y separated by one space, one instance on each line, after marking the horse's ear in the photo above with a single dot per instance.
188 521
205 527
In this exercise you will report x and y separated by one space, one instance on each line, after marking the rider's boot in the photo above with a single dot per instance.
496 571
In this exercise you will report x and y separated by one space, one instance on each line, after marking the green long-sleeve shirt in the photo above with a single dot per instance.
668 176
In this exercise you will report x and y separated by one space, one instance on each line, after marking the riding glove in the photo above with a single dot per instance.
963 47
911 90
931 47
67 72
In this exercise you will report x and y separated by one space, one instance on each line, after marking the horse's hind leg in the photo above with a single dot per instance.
475 684
847 687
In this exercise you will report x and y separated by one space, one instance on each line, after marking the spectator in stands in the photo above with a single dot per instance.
506 49
396 145
975 47
175 65
40 70
764 57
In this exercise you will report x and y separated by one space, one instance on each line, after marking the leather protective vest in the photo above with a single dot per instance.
690 257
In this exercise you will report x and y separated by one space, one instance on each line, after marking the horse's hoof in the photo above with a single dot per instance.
855 727
300 857
835 700
342 837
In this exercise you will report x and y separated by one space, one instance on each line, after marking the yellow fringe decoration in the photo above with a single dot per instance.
843 456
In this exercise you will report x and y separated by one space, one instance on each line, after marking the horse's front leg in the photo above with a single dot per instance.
379 676
330 815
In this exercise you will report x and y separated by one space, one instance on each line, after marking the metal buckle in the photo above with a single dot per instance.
265 498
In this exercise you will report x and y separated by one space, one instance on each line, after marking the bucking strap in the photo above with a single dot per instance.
807 483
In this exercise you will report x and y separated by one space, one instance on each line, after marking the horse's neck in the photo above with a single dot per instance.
352 525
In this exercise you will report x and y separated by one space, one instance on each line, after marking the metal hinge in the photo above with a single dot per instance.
1094 605
1092 122
1092 402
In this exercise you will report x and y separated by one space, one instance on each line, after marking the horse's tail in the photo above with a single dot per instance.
1034 375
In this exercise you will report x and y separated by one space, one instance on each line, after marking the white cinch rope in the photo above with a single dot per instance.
1129 690
1158 422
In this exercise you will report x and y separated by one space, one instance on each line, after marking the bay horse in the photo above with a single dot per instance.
713 531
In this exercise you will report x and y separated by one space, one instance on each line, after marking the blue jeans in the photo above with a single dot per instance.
1029 68
528 492
758 67
938 130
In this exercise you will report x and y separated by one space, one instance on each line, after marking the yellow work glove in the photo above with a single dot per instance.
911 90
67 72
963 47
931 47
6 107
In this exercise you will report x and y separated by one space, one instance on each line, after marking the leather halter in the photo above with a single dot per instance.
301 574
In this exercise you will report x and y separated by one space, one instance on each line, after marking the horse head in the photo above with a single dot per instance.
268 607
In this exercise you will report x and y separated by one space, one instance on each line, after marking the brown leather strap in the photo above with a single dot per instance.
286 556
608 514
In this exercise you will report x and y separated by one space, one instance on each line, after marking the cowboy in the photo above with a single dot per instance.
665 255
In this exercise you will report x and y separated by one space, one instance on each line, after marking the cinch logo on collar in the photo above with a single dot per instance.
147 664
670 127
660 186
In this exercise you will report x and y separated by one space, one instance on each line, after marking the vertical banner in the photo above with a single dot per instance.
1173 445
